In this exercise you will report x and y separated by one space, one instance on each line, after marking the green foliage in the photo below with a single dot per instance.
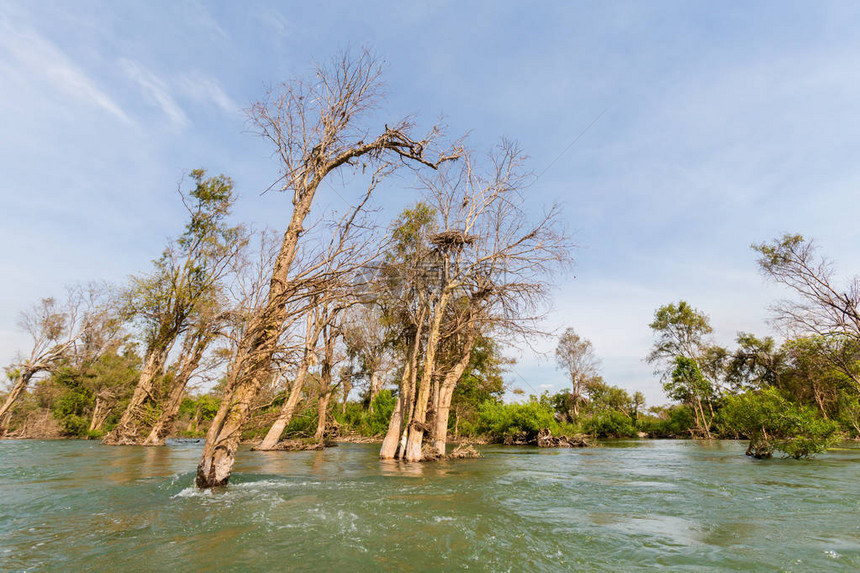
672 422
755 364
771 422
73 403
604 398
686 381
609 424
680 330
498 420
367 422
481 381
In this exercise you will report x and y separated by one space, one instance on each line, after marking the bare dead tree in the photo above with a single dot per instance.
492 260
76 330
823 308
315 128
575 356
367 342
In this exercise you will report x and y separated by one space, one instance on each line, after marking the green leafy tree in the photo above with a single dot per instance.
182 290
771 422
680 351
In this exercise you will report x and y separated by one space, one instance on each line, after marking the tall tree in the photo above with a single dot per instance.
184 284
315 128
824 309
487 267
575 356
681 351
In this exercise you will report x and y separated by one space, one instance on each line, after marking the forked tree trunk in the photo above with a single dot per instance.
396 429
446 392
190 362
417 428
101 411
127 431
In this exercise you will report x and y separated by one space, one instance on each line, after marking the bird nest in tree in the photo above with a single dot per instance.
451 239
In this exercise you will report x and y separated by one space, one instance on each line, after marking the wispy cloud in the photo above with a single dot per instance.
157 91
198 13
39 58
205 89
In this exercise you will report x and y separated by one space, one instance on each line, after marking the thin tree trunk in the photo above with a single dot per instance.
818 400
285 416
417 426
375 387
17 389
391 443
192 425
192 354
446 392
326 388
127 431
101 410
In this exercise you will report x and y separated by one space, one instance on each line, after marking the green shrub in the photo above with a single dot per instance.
367 422
497 420
673 422
610 424
771 422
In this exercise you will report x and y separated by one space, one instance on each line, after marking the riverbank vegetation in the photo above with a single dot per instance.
343 325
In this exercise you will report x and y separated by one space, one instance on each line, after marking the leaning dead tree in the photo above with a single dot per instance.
316 130
490 263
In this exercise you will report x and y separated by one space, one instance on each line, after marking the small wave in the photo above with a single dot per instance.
192 491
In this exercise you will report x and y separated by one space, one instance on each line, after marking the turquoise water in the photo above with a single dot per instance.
80 506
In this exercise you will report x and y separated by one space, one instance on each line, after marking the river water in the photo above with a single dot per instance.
80 506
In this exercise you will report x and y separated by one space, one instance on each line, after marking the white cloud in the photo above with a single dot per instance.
205 89
156 89
38 58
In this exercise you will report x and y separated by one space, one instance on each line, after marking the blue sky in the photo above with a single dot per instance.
722 125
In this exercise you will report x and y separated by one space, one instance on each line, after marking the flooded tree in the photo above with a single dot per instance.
483 267
316 130
181 289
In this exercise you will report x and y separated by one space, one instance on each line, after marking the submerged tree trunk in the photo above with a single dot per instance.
192 354
285 416
391 445
417 427
128 430
446 392
252 361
